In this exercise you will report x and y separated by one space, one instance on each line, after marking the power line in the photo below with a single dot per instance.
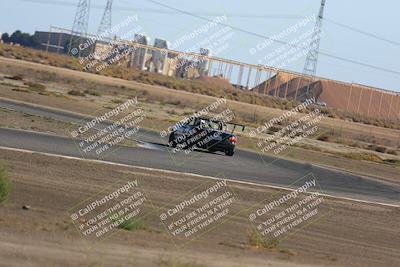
362 32
274 40
232 15
66 3
161 11
284 17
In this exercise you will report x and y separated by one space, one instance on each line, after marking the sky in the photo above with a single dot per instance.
267 18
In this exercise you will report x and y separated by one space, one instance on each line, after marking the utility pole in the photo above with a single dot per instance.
80 27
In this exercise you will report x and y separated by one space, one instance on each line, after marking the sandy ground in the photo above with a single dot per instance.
351 234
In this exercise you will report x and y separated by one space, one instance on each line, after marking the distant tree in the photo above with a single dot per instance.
5 37
18 37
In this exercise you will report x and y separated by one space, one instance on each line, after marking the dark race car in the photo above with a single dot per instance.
206 134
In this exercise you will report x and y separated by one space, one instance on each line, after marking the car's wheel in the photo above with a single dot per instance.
229 152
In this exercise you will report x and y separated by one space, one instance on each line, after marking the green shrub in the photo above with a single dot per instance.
256 241
273 129
362 156
5 183
394 162
15 77
92 92
76 93
117 101
35 86
173 102
323 137
132 225
380 149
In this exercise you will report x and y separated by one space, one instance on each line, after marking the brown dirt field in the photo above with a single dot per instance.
17 120
353 234
366 168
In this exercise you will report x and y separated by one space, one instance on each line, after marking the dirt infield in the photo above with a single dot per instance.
353 234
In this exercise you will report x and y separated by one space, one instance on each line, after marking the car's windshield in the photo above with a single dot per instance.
207 124
215 125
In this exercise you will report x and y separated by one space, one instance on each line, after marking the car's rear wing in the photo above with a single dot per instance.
234 126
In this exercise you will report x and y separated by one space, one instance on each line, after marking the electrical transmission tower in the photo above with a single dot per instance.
105 24
80 27
310 67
